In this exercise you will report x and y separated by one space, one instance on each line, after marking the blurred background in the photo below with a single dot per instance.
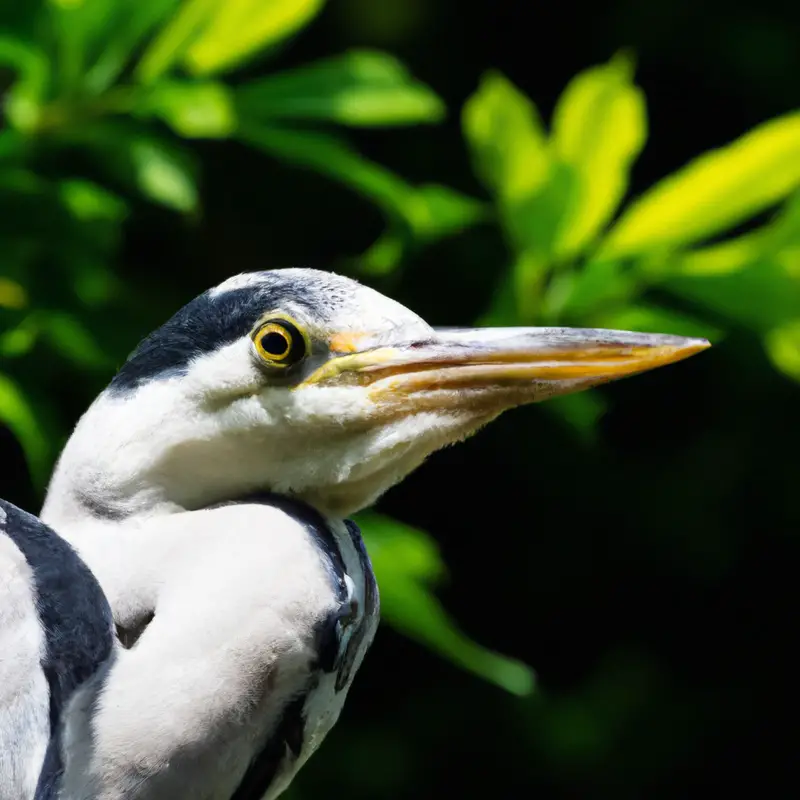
613 164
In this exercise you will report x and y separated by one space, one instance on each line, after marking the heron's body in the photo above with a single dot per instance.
242 615
257 614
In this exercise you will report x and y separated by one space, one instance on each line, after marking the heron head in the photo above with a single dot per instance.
308 383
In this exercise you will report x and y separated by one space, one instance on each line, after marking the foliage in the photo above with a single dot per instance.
114 90
105 97
659 263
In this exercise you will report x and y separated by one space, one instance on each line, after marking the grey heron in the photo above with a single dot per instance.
207 492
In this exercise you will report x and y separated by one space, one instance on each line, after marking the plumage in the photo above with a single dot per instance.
56 631
207 489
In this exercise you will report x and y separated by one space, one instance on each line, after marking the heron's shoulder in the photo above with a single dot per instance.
72 608
56 631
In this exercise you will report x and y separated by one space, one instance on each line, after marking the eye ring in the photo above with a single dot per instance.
279 343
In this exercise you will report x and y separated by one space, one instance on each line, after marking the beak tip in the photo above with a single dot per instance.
693 346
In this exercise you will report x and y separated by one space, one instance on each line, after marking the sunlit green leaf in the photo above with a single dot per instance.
506 139
79 27
17 413
512 157
361 88
22 101
12 295
599 282
89 201
599 128
772 240
163 177
725 257
193 110
437 211
407 563
715 191
783 347
170 45
133 22
238 29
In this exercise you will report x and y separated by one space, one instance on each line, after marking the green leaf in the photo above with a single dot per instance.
17 414
239 29
714 192
134 21
88 201
599 128
12 294
193 110
581 412
783 347
761 296
723 258
432 212
597 283
18 341
69 337
174 38
506 139
22 102
780 236
384 255
360 88
332 157
12 144
151 165
407 563
428 211
436 211
162 177
528 278
513 159
79 27
503 308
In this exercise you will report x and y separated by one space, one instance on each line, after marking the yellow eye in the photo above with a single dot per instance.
279 343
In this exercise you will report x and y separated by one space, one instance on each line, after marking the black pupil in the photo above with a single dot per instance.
276 344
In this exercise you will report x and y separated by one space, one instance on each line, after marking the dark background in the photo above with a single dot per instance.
648 578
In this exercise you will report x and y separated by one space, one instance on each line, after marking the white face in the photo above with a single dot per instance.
231 424
307 383
335 445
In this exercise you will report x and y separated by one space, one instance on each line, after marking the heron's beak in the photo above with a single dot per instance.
517 364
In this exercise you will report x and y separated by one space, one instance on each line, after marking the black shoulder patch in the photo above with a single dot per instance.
371 607
75 616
